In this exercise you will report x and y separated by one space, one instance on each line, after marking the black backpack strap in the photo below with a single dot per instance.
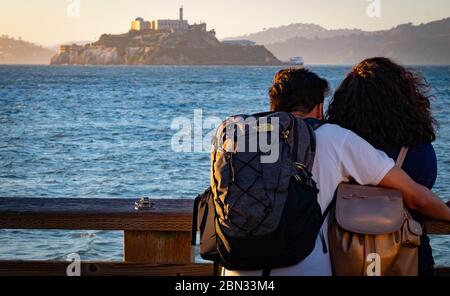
315 123
324 217
295 128
195 221
312 124
262 114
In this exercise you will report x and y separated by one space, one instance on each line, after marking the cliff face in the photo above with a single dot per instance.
192 47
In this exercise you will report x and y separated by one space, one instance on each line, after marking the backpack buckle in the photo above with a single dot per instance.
300 165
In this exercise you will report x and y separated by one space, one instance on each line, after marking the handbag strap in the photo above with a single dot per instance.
401 157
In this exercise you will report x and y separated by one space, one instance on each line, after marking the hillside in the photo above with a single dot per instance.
191 47
14 51
409 44
284 33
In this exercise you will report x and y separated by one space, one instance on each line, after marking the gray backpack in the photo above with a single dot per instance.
261 211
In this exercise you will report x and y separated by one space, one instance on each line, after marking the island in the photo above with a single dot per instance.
165 42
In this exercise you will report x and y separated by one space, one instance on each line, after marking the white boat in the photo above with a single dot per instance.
298 61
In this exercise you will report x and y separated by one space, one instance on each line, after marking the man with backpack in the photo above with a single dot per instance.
270 218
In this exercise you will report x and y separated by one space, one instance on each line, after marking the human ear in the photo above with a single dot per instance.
320 112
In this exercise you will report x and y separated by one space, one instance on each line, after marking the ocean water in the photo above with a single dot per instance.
106 132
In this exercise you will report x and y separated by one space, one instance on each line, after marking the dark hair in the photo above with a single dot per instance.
297 89
384 103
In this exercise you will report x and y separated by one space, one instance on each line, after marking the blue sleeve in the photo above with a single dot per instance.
421 164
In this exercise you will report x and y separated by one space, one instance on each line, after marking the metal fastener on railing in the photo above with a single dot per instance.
143 204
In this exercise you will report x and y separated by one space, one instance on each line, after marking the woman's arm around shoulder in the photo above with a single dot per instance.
416 197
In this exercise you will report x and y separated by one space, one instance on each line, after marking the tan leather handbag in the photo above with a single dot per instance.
371 233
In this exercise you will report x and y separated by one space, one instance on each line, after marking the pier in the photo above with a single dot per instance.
156 240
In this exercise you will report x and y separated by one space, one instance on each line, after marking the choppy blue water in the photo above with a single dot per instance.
106 132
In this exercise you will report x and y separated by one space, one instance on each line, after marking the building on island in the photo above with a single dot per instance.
69 49
140 25
198 27
175 25
164 24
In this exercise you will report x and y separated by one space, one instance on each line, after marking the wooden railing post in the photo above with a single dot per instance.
157 247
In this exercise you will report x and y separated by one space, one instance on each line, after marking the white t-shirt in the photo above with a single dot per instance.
340 156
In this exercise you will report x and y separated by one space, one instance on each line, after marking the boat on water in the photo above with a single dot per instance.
297 61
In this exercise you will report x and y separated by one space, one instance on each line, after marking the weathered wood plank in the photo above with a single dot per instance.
157 247
437 227
94 214
111 214
58 268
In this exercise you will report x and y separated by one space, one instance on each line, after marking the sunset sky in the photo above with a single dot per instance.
47 22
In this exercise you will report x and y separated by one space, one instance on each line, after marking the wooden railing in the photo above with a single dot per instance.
156 241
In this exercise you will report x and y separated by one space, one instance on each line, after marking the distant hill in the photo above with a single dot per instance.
408 44
284 33
13 51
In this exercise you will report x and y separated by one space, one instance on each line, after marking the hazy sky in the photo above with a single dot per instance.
47 21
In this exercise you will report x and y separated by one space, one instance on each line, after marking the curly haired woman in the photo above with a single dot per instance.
389 106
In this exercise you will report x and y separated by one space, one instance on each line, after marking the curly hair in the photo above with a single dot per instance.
297 89
384 103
